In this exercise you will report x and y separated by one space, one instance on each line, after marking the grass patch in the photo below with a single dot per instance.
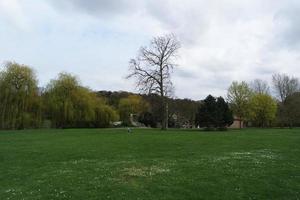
150 164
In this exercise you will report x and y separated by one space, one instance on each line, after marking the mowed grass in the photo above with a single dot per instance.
150 164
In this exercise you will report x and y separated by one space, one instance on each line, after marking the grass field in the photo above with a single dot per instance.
150 164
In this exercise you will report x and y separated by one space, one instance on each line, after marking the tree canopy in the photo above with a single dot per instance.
285 85
152 69
290 110
214 113
260 86
263 109
65 103
238 96
68 104
132 105
19 101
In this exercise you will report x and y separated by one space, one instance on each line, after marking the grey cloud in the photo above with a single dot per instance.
287 20
186 19
96 7
183 18
184 73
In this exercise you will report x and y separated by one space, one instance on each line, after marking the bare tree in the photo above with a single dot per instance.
260 86
285 86
152 69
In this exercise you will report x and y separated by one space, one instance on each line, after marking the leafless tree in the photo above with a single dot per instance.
152 69
285 86
260 86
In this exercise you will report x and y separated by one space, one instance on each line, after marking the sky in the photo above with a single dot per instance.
221 40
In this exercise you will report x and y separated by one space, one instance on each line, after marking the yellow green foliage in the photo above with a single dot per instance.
132 105
263 109
71 105
19 102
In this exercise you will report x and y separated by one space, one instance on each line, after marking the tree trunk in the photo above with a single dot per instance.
240 120
163 100
164 117
167 115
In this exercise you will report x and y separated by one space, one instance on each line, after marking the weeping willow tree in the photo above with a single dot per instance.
20 105
68 104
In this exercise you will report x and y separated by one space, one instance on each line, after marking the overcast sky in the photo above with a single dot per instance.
221 41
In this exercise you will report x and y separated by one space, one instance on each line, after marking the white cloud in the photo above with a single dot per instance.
12 11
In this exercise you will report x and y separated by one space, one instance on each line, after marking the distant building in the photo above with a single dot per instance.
237 123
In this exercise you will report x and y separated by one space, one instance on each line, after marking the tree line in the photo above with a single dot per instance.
250 103
65 103
258 104
147 109
253 104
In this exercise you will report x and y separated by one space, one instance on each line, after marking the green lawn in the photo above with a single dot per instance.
150 164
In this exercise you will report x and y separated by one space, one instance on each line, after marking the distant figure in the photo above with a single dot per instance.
129 130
